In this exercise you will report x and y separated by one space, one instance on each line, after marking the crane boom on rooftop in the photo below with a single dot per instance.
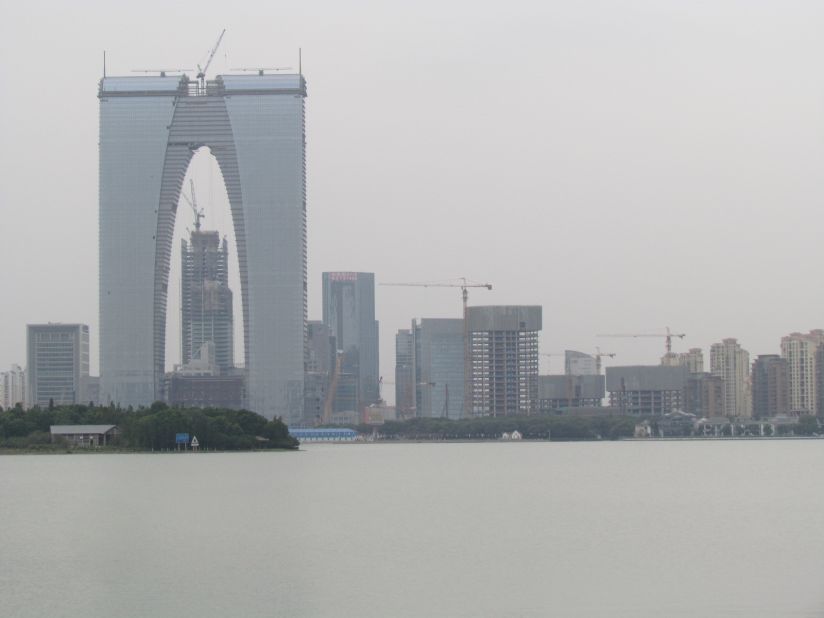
201 72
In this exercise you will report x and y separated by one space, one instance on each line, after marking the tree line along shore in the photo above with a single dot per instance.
145 429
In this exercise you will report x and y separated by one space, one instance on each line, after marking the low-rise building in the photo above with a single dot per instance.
87 436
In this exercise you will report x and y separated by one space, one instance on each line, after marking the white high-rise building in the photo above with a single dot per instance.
13 387
58 363
731 363
150 128
799 350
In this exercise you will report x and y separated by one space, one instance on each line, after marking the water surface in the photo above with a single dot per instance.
630 529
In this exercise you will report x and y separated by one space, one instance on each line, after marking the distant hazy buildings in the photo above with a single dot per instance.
557 392
320 361
13 387
730 362
439 367
150 128
644 390
800 352
206 300
503 343
770 386
405 381
579 364
349 314
704 395
58 363
693 360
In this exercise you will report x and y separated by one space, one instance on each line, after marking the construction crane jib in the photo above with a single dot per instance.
668 335
201 72
193 204
464 285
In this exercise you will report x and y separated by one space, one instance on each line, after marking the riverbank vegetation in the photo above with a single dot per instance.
147 429
542 427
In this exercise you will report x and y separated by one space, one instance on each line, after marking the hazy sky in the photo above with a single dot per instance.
626 164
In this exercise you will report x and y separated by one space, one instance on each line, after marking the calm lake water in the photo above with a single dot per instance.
635 529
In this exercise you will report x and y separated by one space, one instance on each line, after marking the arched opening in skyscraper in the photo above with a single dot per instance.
150 127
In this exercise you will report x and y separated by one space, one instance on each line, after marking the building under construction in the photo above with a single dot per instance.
206 300
503 353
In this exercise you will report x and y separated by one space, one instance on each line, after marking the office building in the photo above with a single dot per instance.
58 363
320 348
150 128
405 382
321 356
503 353
205 298
570 391
642 390
349 314
439 367
770 386
579 364
800 352
730 362
13 387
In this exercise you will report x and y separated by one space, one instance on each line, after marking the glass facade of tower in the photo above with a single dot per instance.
349 312
150 128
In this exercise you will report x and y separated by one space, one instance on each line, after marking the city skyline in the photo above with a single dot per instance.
718 158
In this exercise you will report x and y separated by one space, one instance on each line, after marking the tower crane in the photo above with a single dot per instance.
598 356
464 284
549 355
201 72
668 335
193 203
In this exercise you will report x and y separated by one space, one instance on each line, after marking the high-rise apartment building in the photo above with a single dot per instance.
205 298
503 354
13 387
150 128
731 363
349 313
439 367
693 360
770 386
58 363
799 350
